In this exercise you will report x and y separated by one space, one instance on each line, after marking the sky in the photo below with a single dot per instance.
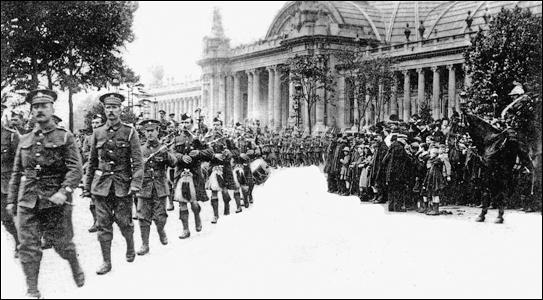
171 33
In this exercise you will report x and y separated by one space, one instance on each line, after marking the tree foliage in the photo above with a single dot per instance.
510 50
70 45
367 74
313 81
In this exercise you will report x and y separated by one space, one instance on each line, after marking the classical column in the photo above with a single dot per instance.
394 98
383 111
340 104
319 111
467 78
212 95
289 110
230 99
435 93
271 91
356 109
256 95
406 95
249 94
420 88
237 100
452 90
277 98
222 96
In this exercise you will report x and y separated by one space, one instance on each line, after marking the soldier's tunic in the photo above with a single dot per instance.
155 189
183 145
115 166
10 140
46 162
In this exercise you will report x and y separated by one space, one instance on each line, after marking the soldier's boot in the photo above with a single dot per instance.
435 210
162 234
237 198
77 272
105 246
11 229
481 216
226 199
31 271
93 228
145 230
422 207
46 243
215 205
130 251
196 209
184 216
245 197
170 206
250 193
499 219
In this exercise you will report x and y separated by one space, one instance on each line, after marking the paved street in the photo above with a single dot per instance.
299 241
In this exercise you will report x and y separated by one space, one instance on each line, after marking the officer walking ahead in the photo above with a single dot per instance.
114 176
47 168
152 197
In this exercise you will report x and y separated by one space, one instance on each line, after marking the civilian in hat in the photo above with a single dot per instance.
394 167
376 176
345 160
114 176
439 173
51 166
10 140
152 196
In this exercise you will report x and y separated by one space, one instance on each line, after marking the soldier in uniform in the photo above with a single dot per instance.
114 176
96 122
152 196
47 168
190 152
221 177
242 169
10 140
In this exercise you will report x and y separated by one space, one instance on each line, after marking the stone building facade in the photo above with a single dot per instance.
426 39
178 98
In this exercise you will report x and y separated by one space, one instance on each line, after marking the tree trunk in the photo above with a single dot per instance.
35 80
70 110
309 116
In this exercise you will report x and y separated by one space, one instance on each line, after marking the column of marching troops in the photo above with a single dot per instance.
120 167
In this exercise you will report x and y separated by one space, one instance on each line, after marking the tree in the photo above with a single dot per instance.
372 76
510 50
73 45
310 75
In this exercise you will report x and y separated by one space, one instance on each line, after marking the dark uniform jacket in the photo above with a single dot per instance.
183 145
46 162
154 176
115 159
10 140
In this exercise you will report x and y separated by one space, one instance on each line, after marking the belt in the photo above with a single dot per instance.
35 174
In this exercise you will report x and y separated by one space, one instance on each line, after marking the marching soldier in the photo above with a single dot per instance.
114 176
189 181
10 140
96 122
47 168
242 170
152 196
221 177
